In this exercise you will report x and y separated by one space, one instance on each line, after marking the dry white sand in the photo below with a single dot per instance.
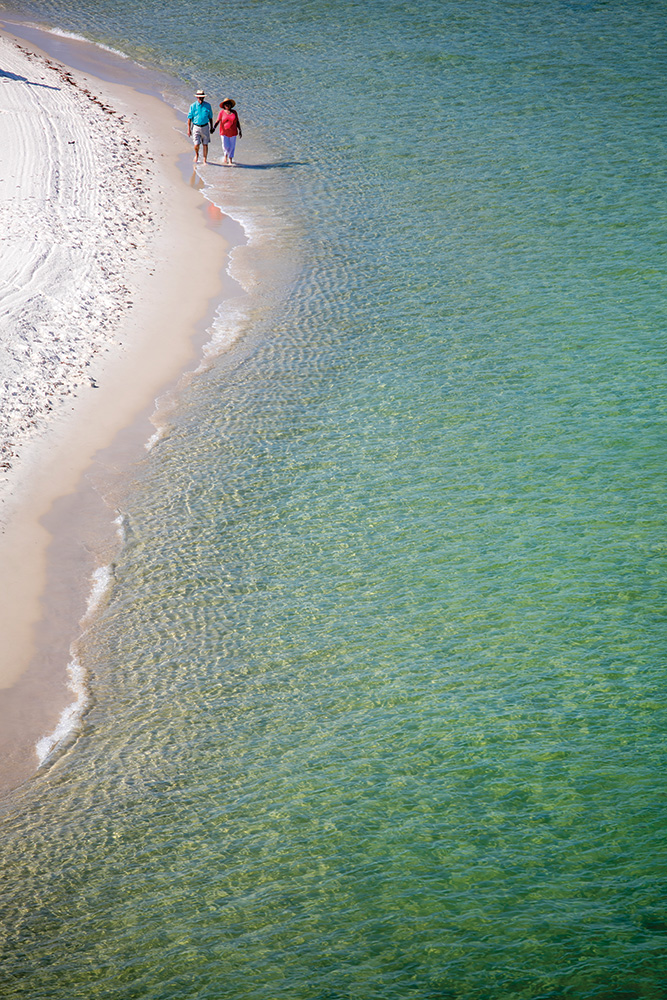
106 268
75 215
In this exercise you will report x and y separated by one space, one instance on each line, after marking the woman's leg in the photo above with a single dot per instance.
229 146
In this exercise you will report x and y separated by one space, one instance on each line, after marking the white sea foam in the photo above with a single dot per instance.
61 33
121 528
71 716
155 438
101 581
230 320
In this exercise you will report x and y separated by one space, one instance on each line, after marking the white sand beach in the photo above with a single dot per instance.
75 215
106 268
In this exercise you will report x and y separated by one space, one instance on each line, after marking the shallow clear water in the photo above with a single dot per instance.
378 690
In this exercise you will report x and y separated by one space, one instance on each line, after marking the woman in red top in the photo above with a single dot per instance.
230 128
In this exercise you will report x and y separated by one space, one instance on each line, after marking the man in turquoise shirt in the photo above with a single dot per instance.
200 119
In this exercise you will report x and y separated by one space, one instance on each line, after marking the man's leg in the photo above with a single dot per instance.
205 145
197 152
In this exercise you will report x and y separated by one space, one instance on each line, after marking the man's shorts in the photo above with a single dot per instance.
201 134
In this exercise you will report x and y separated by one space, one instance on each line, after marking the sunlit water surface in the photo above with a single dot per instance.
377 693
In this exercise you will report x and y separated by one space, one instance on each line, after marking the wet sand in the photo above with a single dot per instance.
109 293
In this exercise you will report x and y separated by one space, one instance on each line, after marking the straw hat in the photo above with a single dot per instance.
200 93
228 100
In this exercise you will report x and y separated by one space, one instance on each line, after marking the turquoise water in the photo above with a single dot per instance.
378 691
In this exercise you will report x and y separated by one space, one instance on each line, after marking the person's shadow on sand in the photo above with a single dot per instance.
6 76
262 166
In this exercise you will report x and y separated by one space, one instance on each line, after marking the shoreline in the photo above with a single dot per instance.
58 528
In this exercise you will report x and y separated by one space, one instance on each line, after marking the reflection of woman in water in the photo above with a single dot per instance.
230 128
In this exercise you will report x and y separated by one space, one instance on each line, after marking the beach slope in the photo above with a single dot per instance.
107 270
